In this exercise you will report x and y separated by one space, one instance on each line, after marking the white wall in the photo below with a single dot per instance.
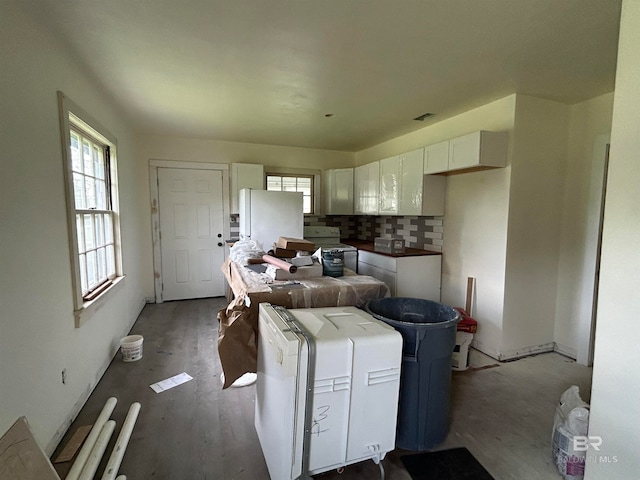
37 334
535 213
616 383
218 151
589 121
475 221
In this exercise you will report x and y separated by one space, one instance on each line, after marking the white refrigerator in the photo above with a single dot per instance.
266 215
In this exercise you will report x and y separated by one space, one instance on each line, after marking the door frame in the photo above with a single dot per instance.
588 289
155 212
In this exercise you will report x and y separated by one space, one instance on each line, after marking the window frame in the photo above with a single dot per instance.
312 178
72 117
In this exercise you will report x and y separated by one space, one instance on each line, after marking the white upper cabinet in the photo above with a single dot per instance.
478 150
245 175
410 192
401 184
366 188
436 158
389 186
338 191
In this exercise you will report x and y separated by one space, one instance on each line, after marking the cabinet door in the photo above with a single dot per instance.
372 191
245 175
478 149
464 151
410 193
360 186
389 186
378 273
436 158
339 191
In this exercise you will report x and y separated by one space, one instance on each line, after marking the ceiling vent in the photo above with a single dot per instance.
424 116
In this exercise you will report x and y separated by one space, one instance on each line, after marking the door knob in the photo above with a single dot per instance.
219 235
219 244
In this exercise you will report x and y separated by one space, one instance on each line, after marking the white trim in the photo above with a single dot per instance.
82 120
484 348
154 164
565 350
586 288
90 307
526 351
192 165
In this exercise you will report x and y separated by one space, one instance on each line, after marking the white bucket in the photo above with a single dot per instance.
460 357
131 348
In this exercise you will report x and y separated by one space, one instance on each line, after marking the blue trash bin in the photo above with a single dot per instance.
428 331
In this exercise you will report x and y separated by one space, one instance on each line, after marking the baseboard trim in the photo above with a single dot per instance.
526 351
566 351
77 406
486 349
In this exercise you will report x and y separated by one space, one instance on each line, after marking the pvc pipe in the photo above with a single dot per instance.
97 452
85 451
115 459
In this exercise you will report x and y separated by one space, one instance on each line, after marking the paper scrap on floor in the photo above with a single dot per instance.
171 382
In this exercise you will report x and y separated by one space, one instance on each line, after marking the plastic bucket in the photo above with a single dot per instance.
332 263
428 332
131 348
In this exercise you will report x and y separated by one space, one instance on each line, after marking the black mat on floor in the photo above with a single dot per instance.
454 464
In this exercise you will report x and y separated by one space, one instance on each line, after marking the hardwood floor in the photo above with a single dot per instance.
503 414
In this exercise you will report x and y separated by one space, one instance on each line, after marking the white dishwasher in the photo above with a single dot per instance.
349 415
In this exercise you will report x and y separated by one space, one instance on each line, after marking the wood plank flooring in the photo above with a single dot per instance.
502 414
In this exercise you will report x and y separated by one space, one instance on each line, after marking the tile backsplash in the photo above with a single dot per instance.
417 232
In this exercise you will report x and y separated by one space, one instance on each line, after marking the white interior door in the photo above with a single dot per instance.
191 228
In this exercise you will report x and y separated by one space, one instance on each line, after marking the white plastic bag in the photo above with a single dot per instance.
243 250
571 420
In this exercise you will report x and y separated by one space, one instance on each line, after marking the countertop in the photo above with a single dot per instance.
408 252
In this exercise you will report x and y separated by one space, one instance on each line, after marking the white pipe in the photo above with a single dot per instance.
85 451
97 452
121 477
115 459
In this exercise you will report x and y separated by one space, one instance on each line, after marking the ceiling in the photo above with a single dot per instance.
269 72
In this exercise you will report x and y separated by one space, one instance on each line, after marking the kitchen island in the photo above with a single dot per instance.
238 332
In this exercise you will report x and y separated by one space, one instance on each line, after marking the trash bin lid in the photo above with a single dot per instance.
413 312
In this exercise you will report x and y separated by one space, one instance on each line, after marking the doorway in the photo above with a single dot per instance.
589 288
189 223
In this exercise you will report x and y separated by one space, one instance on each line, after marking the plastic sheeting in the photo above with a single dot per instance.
238 330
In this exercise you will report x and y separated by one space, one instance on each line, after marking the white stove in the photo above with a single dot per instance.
328 238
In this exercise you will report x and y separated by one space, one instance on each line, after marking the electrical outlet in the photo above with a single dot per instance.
64 376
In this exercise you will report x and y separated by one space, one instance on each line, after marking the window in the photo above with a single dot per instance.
92 204
294 183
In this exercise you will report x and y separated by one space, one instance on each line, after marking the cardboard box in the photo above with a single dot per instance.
21 458
388 245
296 244
466 323
283 252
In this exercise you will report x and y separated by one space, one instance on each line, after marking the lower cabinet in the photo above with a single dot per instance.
415 277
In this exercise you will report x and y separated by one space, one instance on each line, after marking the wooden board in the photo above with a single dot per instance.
74 443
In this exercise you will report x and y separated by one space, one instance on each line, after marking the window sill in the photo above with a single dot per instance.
91 307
